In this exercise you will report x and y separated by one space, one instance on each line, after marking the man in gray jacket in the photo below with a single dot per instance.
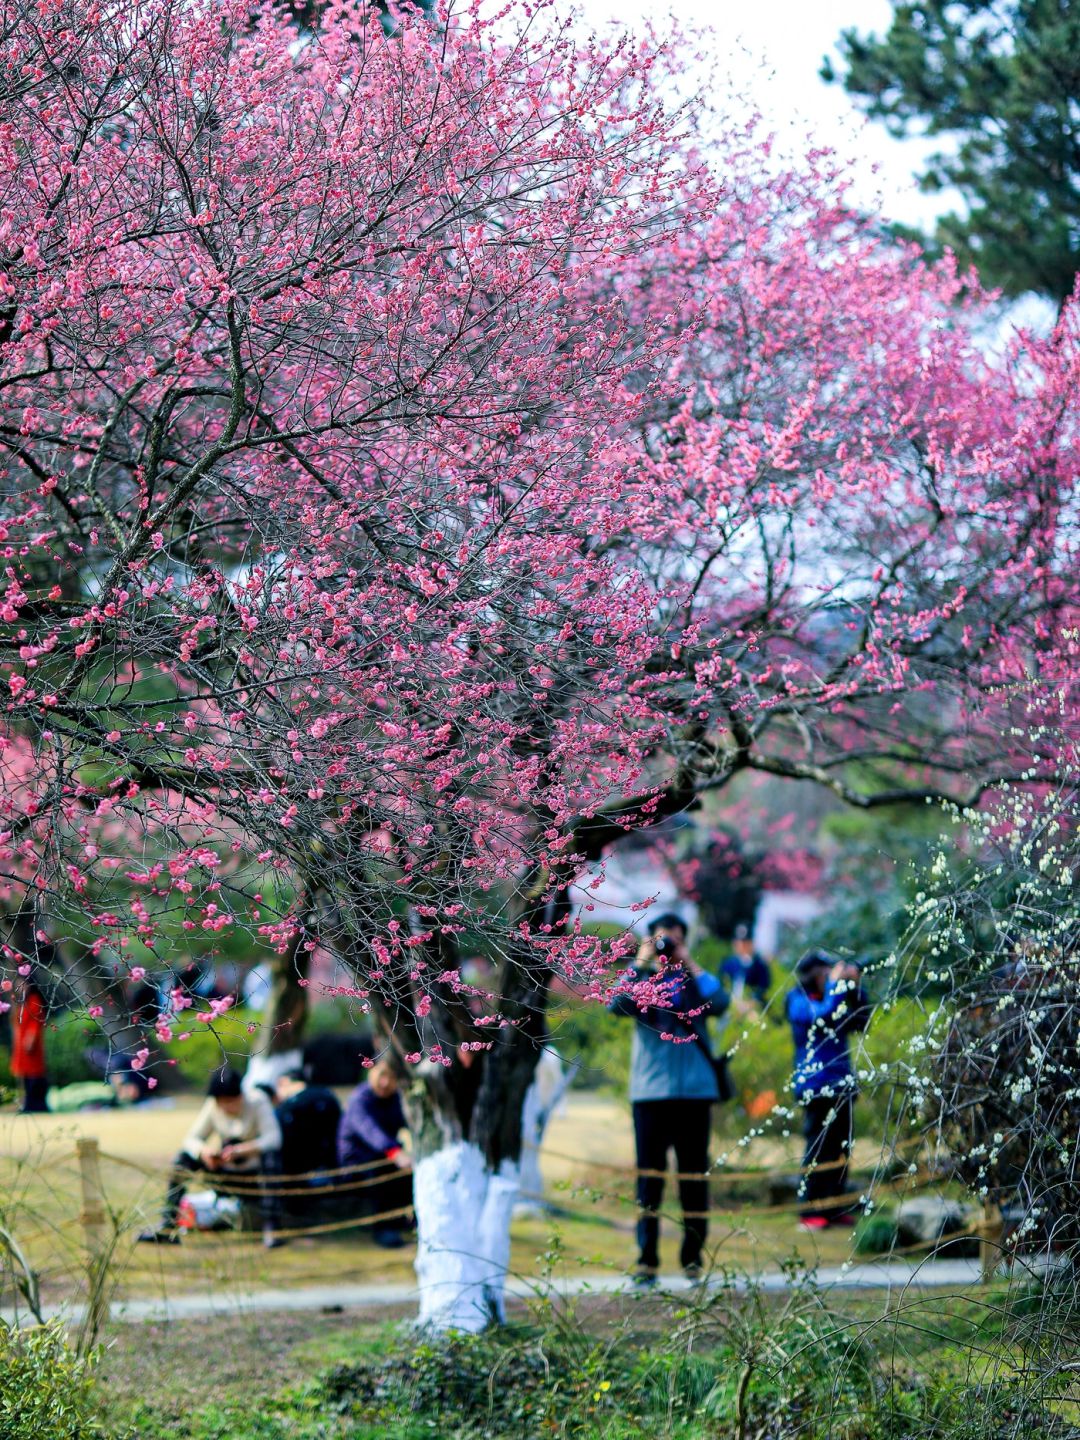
672 1088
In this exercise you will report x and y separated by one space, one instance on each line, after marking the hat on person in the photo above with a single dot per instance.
225 1084
666 921
814 960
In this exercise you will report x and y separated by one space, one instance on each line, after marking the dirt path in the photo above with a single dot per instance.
333 1299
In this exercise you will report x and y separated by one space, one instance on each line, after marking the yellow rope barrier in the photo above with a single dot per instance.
245 1237
154 1170
717 1172
909 1185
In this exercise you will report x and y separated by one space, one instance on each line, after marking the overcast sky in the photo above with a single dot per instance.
772 50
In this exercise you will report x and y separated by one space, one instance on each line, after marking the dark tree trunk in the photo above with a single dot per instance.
285 1014
509 1065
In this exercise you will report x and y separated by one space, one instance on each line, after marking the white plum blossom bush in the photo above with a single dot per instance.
996 1073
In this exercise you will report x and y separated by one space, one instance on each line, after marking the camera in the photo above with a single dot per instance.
664 945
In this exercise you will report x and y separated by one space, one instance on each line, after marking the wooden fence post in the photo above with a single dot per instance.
991 1233
92 1217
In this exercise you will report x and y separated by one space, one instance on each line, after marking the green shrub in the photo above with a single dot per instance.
154 1420
875 1233
46 1390
67 1040
585 1034
713 1366
732 1365
229 1042
939 1409
335 1017
234 1036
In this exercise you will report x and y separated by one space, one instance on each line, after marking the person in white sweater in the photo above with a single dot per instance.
233 1134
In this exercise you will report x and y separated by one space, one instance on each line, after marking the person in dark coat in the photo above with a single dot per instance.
369 1136
745 971
826 1007
309 1117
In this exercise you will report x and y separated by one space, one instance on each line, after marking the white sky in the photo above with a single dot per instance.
772 49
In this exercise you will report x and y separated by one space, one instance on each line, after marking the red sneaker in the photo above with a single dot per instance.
813 1222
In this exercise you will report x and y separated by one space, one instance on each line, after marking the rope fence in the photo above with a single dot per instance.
332 1182
718 1172
90 1236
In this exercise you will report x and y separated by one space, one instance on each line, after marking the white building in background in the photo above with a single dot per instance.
780 910
633 876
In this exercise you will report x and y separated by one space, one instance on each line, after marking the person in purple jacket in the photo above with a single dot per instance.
369 1132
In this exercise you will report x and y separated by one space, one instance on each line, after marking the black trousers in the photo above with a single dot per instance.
682 1126
393 1191
267 1191
35 1089
828 1132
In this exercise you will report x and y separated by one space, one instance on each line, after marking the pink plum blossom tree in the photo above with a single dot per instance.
421 471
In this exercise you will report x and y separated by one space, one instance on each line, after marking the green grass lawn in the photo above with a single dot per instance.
594 1215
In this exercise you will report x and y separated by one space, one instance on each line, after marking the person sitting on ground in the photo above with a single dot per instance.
745 971
368 1136
129 1081
673 1085
826 1006
234 1135
309 1116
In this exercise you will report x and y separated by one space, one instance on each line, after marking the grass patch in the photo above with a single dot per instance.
763 1367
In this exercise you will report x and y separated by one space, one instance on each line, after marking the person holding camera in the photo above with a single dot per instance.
673 1085
825 1008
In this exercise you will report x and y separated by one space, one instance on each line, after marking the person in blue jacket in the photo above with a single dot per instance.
673 1086
826 1007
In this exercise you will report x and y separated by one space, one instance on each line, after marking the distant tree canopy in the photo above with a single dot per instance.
1002 78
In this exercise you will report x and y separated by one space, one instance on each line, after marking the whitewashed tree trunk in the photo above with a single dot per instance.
463 1212
467 1139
